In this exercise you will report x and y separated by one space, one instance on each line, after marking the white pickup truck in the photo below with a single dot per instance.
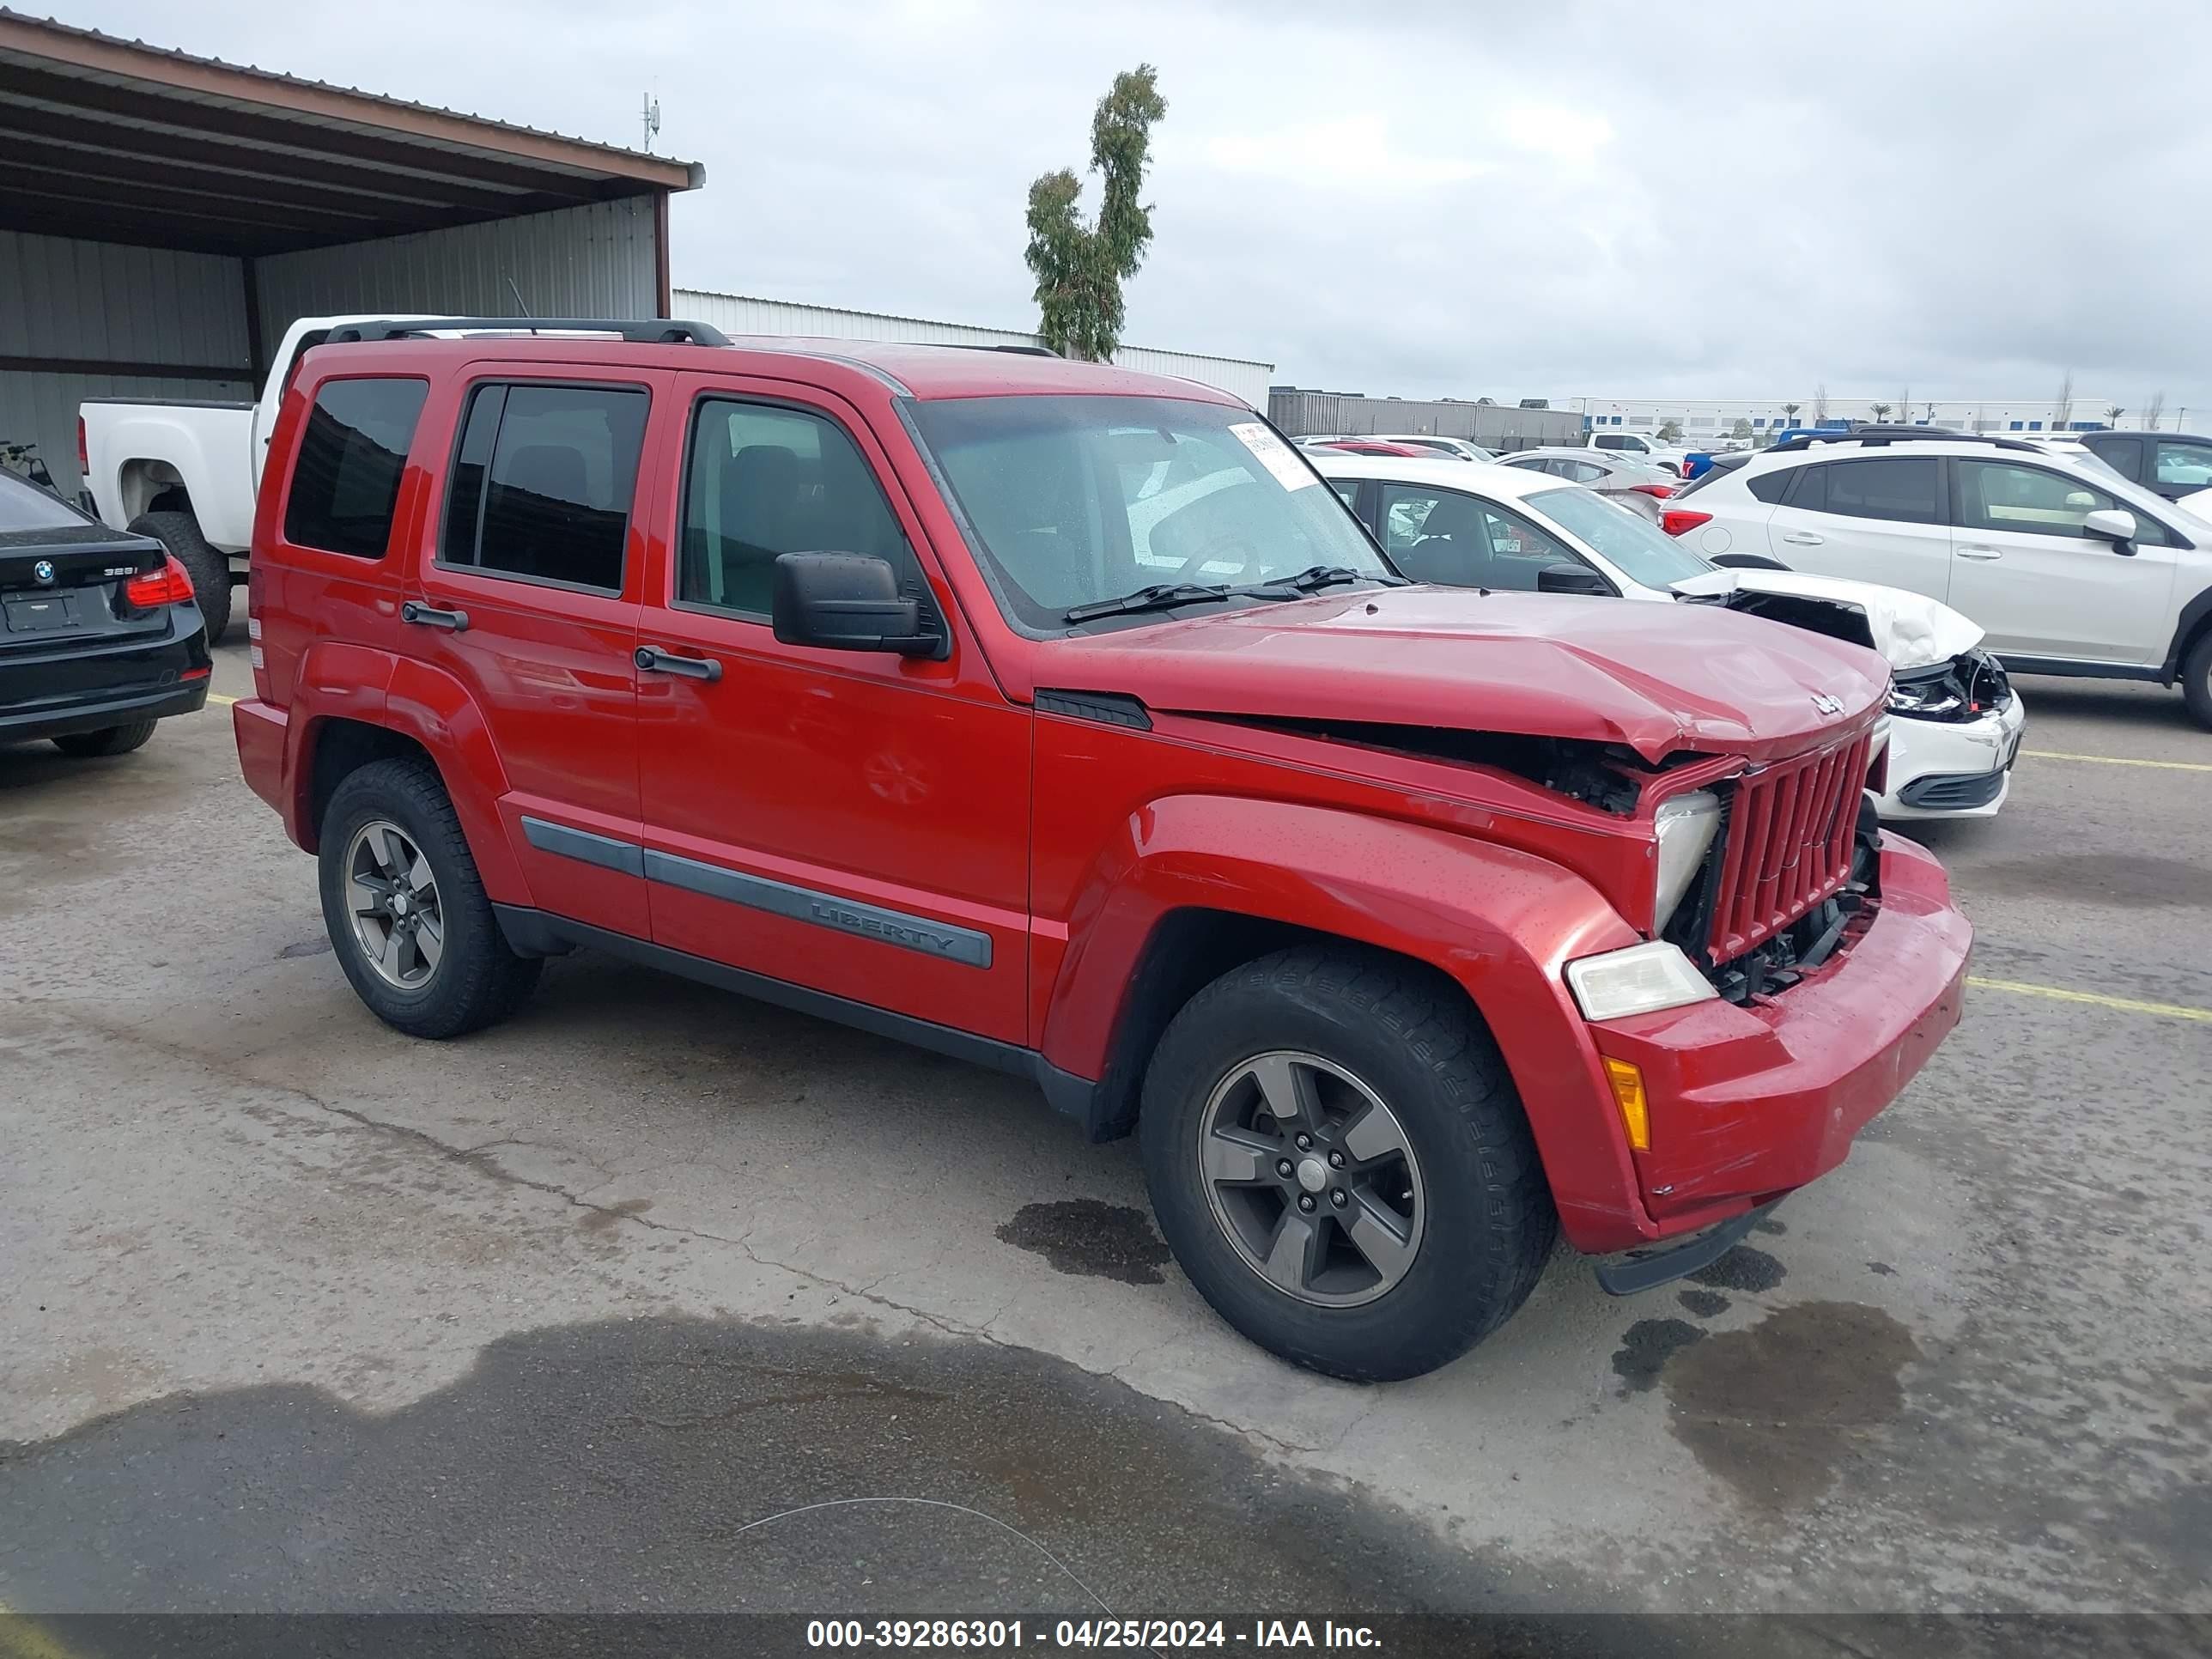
1636 447
187 473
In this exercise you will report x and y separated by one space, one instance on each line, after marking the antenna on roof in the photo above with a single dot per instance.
650 115
517 292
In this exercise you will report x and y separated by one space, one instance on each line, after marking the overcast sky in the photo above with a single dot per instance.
1622 198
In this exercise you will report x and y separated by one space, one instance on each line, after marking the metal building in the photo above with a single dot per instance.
1493 426
164 218
739 313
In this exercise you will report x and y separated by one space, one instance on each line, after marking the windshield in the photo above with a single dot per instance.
1637 548
1076 500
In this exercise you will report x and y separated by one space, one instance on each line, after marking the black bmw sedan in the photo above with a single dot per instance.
98 634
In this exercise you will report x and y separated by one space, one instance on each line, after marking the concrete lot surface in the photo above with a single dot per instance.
302 1313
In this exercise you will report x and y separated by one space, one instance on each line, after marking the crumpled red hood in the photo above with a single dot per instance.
1658 678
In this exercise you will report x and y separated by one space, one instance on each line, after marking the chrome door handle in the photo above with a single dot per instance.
430 615
654 660
1984 554
1804 538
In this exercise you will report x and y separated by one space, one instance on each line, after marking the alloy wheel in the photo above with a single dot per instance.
392 899
1312 1178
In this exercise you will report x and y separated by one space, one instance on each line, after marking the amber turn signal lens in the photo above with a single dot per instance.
1628 1094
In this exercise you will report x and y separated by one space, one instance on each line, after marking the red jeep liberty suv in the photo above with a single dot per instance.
1063 719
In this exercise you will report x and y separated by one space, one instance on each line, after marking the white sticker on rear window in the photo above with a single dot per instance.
1274 454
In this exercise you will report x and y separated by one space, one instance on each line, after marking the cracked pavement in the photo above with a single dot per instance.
1970 1370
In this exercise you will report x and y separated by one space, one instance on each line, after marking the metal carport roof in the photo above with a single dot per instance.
116 141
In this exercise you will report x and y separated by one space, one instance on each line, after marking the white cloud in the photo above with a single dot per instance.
1571 135
1355 150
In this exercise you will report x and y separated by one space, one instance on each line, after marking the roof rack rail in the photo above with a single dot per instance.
978 345
1875 437
649 330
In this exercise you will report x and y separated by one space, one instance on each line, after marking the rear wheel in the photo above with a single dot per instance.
208 567
110 740
406 911
1337 1158
2196 679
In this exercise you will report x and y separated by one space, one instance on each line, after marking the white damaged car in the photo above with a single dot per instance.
1956 722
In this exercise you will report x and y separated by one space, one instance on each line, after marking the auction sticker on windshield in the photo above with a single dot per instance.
1275 455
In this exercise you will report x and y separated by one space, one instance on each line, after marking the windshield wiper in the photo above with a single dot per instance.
1160 596
1314 577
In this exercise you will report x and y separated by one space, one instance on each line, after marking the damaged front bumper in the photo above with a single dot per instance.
1750 1101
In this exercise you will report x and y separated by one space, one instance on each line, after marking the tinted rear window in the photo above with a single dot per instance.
346 479
542 482
1771 486
1899 489
24 506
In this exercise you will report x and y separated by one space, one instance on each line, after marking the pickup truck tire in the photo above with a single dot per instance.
1334 1032
391 834
109 740
210 570
2196 679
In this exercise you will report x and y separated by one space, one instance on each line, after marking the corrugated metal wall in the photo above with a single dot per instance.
66 299
1491 425
739 313
595 261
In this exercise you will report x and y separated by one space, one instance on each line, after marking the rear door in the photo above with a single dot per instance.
855 822
2026 572
1871 519
530 602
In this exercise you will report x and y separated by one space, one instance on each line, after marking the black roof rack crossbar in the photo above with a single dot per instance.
1874 437
648 331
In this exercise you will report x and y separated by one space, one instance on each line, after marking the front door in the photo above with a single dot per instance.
530 602
2027 574
855 822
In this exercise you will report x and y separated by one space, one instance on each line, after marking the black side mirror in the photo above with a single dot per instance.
1565 578
845 602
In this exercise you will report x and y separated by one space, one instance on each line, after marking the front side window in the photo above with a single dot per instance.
2184 463
345 481
1078 500
765 480
1997 495
1462 541
542 483
1900 489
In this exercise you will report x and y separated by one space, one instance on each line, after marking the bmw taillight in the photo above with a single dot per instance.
1676 520
152 589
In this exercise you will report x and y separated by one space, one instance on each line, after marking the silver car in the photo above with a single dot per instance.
1635 484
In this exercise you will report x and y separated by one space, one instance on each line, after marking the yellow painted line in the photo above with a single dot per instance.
2122 1005
20 1638
217 697
2117 760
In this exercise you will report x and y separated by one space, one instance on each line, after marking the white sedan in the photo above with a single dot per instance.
1955 720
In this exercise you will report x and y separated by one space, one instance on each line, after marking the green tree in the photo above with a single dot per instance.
1741 429
1879 410
1081 269
1671 433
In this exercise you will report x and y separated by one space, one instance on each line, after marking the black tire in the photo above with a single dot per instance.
1414 1038
2196 679
478 979
109 740
210 569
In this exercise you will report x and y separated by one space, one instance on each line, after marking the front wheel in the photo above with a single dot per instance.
2196 679
1337 1158
407 912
